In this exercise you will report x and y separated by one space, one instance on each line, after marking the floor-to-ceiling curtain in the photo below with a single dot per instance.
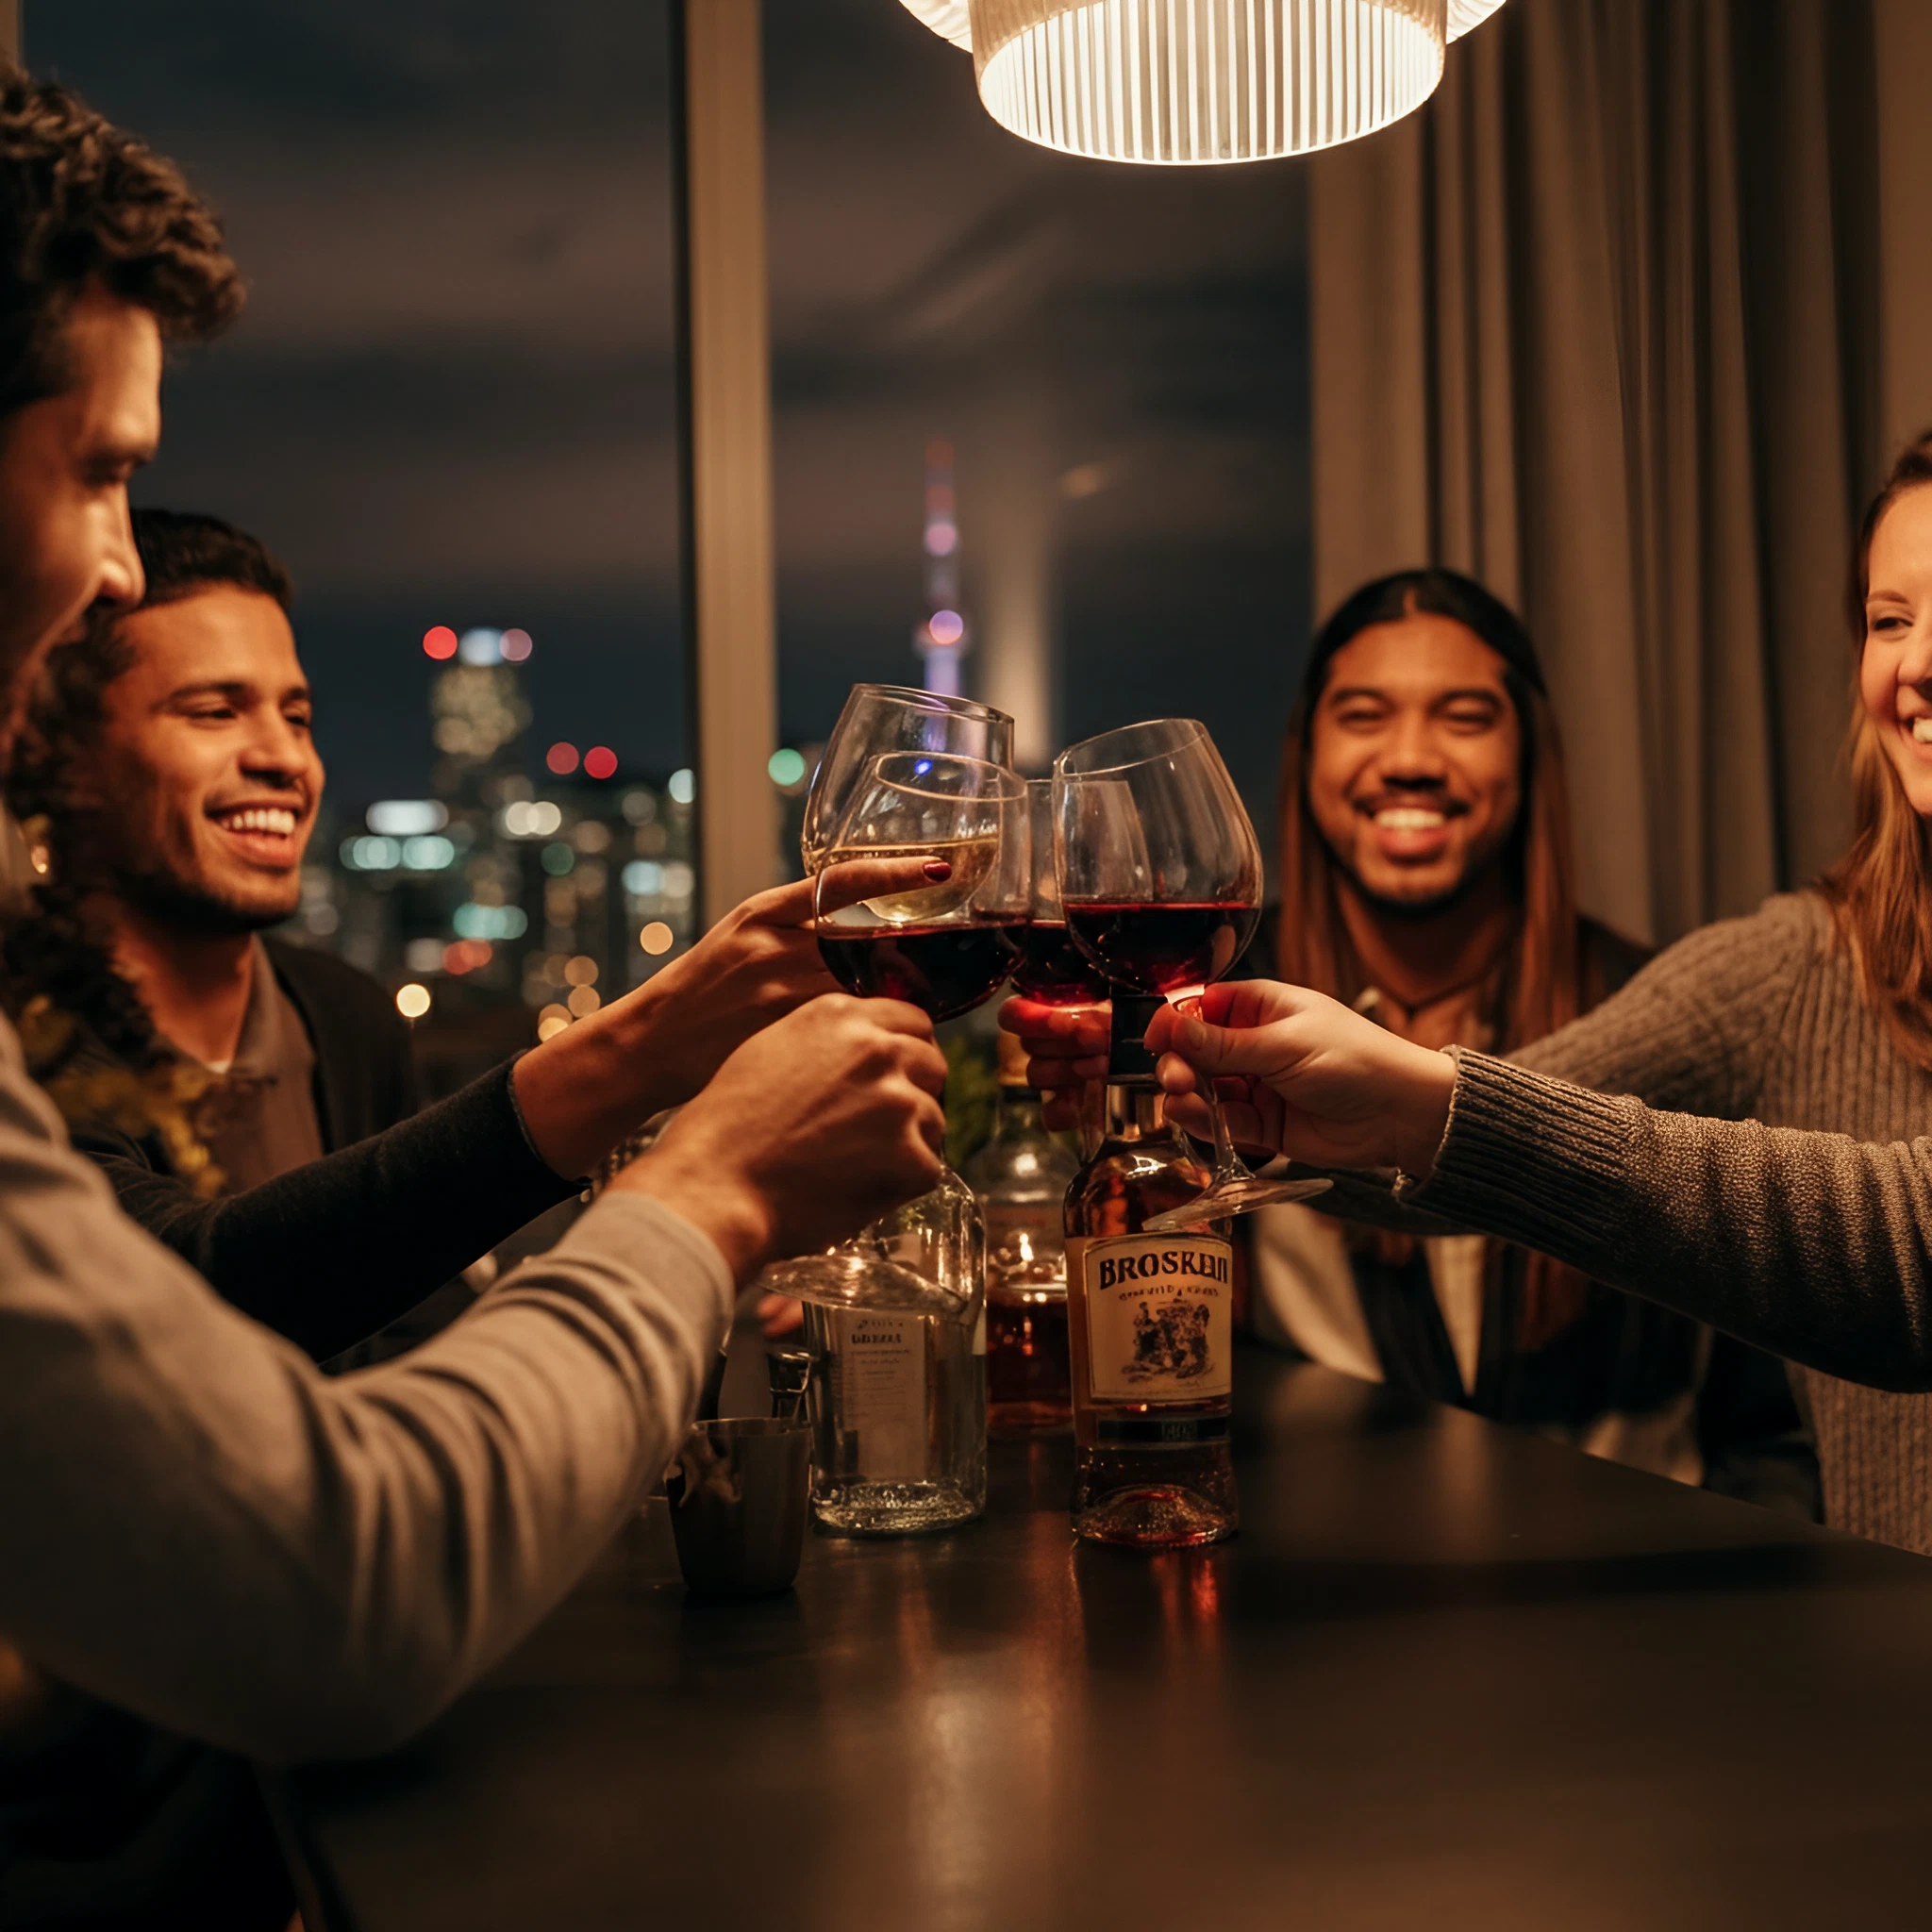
1599 327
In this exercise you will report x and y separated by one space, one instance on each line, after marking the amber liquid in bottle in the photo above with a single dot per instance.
1150 1326
1020 1180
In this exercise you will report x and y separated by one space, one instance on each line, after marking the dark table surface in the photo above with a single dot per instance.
1447 1677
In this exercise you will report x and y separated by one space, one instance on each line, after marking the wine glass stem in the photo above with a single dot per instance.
1229 1165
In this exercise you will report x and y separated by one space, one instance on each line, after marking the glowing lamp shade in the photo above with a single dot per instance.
1464 14
946 18
1181 81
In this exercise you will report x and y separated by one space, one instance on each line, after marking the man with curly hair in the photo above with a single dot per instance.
199 1533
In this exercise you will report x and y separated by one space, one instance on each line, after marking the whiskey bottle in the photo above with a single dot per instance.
898 1401
1151 1324
1020 1178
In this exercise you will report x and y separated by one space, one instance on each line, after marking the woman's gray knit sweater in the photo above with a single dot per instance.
1816 1245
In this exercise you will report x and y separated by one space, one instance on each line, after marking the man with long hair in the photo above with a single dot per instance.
196 1527
1426 881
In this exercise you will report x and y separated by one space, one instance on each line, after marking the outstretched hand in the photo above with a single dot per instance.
1305 1075
584 1089
817 1125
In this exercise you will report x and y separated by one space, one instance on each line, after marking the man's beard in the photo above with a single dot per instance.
192 907
1416 911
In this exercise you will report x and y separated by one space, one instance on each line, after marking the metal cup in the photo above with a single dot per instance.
739 1493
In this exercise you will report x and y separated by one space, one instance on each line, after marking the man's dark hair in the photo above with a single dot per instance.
180 555
81 202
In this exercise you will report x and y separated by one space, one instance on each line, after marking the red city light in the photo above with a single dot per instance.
561 758
440 642
599 761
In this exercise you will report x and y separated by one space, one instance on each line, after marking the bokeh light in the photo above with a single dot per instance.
516 646
947 627
412 1001
787 767
552 1021
584 1001
480 646
440 642
682 786
466 955
561 758
600 761
656 938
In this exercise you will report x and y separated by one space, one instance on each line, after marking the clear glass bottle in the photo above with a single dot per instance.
1151 1325
1020 1177
898 1401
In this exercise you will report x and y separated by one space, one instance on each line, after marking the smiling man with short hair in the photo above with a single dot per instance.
170 754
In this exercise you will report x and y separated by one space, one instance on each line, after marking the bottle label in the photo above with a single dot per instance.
1159 1316
881 1394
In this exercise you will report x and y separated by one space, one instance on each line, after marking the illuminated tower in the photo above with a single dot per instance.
942 639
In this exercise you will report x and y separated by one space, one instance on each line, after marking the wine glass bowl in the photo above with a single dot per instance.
877 718
945 948
1050 967
1160 880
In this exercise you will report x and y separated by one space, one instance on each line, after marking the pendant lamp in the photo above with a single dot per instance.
1190 81
947 18
1463 14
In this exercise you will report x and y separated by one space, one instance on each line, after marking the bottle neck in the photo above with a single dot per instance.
1017 1111
1136 1110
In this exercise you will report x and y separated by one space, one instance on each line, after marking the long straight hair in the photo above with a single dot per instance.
1542 986
1544 981
1878 891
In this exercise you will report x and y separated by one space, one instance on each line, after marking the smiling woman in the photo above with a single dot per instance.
1879 892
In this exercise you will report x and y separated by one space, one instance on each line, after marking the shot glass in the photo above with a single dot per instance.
739 1494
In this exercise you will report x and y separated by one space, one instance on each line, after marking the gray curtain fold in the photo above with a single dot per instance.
1599 327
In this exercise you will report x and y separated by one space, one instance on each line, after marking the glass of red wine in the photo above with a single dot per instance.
1160 882
880 718
945 948
1051 968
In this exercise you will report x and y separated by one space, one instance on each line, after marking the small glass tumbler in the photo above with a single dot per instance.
739 1494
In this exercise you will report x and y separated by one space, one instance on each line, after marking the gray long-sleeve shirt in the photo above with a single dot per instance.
197 1526
1799 1218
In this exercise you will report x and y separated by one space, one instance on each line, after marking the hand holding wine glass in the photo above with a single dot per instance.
1317 1081
1160 878
944 946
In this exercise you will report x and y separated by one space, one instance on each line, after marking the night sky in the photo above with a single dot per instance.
451 398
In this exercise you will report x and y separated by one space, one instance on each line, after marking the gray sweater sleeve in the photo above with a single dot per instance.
197 1526
1814 1246
1687 1032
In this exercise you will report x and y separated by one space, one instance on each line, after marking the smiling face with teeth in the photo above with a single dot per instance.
1415 755
205 780
1895 665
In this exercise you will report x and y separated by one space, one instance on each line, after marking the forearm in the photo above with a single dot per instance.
1814 1246
584 1090
235 1547
329 1253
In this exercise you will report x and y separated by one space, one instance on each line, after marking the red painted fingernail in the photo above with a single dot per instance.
936 869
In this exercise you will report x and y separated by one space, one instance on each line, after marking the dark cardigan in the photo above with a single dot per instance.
332 1252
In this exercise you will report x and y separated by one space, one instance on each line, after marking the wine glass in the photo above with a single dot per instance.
880 718
944 948
1051 968
1160 882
